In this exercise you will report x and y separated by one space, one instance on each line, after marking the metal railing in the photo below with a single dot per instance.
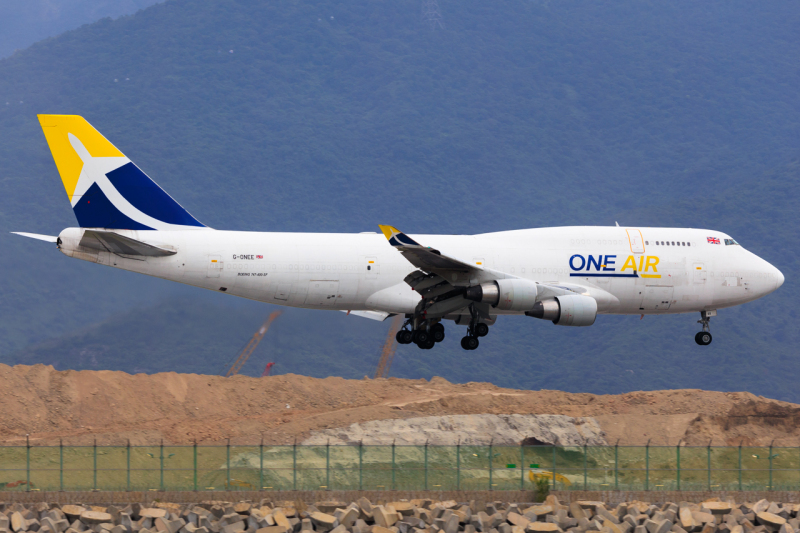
370 467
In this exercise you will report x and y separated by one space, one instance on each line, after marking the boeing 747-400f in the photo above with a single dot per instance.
567 275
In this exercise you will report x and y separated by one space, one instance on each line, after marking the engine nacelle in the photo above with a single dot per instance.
505 294
571 310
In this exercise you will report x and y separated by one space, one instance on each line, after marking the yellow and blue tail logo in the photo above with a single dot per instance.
105 188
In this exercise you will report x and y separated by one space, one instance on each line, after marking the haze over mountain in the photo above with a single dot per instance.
24 23
322 116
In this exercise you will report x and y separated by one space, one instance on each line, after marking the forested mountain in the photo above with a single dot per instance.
327 116
23 23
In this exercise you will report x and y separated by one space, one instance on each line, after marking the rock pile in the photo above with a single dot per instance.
414 516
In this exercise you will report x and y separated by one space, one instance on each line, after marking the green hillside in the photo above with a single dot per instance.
326 116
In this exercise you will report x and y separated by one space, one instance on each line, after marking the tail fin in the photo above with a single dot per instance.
105 188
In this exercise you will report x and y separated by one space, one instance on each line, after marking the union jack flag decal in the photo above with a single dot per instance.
262 257
713 240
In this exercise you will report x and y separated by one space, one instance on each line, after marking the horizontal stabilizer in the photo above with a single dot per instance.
108 241
46 238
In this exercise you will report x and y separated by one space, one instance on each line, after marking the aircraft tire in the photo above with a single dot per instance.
703 338
437 333
469 343
481 329
427 345
421 336
404 336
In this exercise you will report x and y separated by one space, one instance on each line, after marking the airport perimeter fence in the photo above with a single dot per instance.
367 467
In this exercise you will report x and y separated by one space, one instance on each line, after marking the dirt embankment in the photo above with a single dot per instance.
114 407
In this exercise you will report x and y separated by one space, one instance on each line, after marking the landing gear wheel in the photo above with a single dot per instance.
421 337
469 342
437 332
481 330
404 336
427 345
703 338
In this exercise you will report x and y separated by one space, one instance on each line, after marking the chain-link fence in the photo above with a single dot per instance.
357 467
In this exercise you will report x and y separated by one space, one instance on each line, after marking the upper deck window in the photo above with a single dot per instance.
729 242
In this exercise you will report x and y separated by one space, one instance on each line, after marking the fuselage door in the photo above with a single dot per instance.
636 241
699 273
373 268
656 298
214 266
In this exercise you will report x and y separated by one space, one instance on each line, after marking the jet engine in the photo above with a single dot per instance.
571 310
505 294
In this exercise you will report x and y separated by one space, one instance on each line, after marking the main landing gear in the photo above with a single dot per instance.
703 338
425 335
474 330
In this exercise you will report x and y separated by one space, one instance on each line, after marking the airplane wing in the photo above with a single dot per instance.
441 279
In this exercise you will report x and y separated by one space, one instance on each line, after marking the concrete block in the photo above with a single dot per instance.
770 520
577 511
153 513
383 517
281 520
542 527
517 519
323 521
276 529
235 527
95 517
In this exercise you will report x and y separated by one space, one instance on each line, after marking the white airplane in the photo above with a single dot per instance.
566 275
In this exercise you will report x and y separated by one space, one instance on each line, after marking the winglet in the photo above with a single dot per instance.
397 237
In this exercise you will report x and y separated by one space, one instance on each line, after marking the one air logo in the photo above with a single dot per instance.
606 266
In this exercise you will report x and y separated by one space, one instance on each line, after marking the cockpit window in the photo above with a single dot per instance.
730 242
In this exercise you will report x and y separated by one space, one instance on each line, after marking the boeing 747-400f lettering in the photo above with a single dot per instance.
566 275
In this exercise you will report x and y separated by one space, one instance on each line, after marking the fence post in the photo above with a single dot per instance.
228 464
678 455
616 465
60 465
328 465
95 465
585 450
294 465
770 463
491 460
261 464
521 467
554 466
458 464
128 465
161 463
647 465
27 464
361 465
740 464
195 465
709 465
393 466
426 464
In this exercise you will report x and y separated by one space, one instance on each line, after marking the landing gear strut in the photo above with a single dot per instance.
474 330
703 338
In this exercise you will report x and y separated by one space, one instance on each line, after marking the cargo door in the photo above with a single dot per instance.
700 273
656 298
322 292
636 241
214 266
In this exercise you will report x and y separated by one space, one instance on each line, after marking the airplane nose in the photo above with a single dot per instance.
778 278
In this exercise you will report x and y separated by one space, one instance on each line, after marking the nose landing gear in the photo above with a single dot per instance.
703 338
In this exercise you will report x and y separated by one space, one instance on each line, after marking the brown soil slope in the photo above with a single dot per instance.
113 407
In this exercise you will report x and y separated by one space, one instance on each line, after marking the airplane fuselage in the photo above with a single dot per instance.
343 271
